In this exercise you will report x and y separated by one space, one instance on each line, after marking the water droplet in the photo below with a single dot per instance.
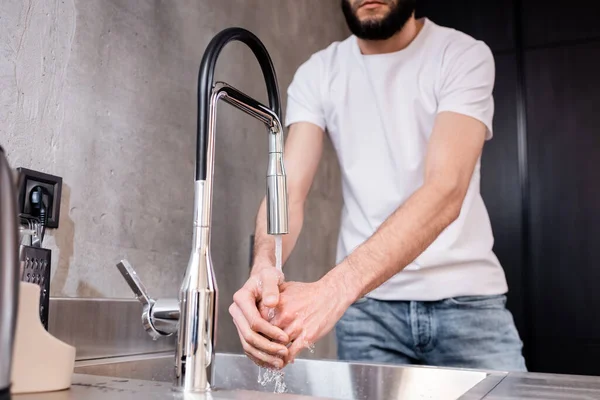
310 346
272 375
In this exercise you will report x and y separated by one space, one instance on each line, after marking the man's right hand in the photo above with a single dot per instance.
262 342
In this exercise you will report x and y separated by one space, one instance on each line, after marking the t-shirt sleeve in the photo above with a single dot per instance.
467 84
304 95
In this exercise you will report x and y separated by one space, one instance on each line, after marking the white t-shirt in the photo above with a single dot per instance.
379 112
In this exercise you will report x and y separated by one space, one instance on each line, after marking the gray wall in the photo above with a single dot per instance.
103 93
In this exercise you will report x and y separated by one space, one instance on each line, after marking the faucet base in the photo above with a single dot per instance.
181 389
194 358
195 353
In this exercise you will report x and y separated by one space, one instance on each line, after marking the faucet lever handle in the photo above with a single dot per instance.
134 282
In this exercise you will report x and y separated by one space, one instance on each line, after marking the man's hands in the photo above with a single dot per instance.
307 312
263 342
276 320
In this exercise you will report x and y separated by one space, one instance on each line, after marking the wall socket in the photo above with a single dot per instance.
52 187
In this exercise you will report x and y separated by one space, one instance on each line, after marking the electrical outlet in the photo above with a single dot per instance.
51 189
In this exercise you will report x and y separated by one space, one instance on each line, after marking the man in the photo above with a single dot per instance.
408 106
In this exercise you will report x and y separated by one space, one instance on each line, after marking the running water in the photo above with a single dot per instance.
278 257
278 252
272 375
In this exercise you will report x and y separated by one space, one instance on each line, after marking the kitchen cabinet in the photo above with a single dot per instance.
490 21
563 129
501 188
560 23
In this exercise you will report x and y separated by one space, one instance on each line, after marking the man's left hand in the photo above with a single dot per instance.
308 311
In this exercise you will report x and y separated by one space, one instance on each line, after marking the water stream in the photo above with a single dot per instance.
278 251
272 375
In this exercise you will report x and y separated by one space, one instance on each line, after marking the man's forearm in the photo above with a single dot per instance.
398 241
264 244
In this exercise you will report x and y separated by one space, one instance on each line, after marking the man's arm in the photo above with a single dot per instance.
454 148
307 311
302 154
463 123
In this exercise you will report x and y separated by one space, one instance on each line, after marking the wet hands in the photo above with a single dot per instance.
263 342
306 312
276 320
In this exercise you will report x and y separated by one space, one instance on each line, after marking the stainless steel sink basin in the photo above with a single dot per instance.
324 379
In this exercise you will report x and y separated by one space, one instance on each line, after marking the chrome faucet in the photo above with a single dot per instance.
9 273
193 316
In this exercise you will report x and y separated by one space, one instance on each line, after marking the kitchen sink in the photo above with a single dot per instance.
314 378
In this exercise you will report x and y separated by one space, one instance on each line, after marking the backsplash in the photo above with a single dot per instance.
103 94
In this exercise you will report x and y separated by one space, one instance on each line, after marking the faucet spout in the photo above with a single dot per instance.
277 201
209 94
9 273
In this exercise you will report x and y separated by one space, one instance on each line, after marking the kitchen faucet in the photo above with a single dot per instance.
9 273
193 316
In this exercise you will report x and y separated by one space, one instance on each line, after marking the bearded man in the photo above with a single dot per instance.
408 107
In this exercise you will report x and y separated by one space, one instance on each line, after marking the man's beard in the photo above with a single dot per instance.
382 29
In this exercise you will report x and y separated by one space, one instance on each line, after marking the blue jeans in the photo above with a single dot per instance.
465 332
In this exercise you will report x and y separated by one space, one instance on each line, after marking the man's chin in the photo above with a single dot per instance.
370 16
370 21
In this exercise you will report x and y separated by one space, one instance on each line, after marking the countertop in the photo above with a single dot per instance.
511 386
89 387
534 386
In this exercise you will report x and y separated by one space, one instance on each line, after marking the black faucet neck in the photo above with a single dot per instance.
206 80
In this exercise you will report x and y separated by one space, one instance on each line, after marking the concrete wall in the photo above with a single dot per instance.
103 93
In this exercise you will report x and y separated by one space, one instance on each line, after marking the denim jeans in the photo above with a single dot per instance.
464 332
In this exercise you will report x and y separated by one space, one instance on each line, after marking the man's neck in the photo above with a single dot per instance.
399 41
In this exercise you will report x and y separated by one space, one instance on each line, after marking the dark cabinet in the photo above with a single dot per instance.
563 129
490 21
500 185
553 23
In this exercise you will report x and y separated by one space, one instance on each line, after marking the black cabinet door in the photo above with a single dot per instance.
546 22
490 21
563 98
500 185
